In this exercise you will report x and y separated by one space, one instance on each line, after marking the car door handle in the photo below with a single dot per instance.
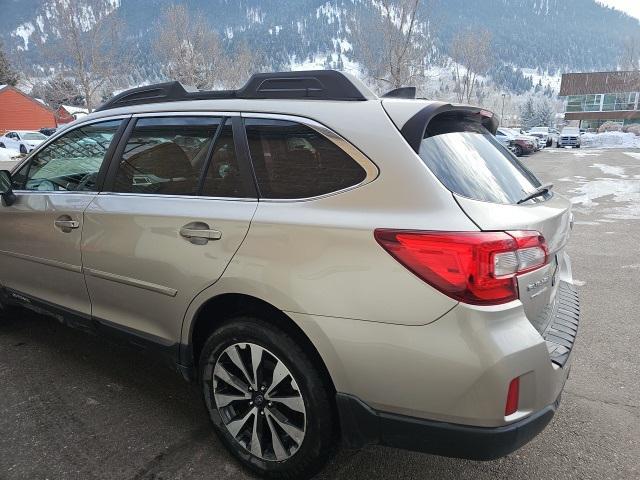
66 224
195 233
199 233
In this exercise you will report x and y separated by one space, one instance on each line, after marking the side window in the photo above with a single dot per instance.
223 177
292 160
165 155
71 162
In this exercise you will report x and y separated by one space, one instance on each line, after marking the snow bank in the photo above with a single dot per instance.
610 140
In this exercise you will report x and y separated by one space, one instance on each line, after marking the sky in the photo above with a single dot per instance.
630 7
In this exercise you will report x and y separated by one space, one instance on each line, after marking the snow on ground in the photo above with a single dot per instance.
610 140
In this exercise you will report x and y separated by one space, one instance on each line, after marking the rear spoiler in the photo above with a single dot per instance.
414 129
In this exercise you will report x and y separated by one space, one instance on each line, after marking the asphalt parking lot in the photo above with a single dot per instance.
75 407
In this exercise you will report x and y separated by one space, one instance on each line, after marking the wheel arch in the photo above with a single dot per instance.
219 309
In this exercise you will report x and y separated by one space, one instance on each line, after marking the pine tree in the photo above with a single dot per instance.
8 76
544 112
528 113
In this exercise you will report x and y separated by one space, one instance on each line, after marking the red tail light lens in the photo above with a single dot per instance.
513 397
479 268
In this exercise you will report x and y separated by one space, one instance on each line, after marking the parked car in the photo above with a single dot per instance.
403 282
521 145
541 137
546 131
519 133
570 137
48 131
506 139
22 140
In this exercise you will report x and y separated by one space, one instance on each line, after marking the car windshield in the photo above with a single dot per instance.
33 136
475 165
540 129
570 131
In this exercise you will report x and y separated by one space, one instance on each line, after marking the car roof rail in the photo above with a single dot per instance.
402 92
300 85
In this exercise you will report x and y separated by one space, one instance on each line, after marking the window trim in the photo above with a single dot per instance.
371 169
106 162
246 170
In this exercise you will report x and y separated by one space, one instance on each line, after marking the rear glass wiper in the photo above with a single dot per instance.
541 190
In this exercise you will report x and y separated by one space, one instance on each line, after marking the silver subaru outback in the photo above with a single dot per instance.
333 268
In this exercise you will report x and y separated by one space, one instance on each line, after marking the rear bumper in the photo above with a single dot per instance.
362 425
558 325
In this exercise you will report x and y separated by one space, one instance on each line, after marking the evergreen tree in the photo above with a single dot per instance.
528 113
8 76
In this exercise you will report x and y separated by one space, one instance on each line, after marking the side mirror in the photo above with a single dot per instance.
6 190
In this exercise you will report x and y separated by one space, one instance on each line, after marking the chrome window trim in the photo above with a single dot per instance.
187 113
56 192
64 131
191 197
371 169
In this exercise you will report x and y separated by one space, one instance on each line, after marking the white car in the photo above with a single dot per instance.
542 139
548 133
22 140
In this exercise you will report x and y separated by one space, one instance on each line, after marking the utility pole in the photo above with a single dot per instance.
502 113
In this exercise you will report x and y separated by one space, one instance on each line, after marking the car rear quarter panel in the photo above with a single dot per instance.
320 257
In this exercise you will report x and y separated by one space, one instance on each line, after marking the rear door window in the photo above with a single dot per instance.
223 177
166 155
292 160
469 161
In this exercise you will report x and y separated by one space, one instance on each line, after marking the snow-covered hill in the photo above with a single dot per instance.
543 37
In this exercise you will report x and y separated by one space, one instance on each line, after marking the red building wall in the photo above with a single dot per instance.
18 111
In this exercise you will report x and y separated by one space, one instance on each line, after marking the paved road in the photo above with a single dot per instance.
75 407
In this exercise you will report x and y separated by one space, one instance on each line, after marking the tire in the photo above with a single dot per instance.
289 460
577 146
549 143
517 150
2 145
23 149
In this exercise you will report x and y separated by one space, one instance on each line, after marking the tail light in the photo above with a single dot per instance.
479 268
513 397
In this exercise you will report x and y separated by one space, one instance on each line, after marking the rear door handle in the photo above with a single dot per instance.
199 233
208 234
65 224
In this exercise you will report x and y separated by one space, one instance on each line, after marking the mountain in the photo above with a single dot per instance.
546 35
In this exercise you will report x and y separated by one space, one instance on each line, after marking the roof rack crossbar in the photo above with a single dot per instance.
311 85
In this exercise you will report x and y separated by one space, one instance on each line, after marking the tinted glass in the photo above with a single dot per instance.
33 136
294 161
71 162
165 156
223 177
475 165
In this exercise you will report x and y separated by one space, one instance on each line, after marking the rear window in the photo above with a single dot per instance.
469 161
294 161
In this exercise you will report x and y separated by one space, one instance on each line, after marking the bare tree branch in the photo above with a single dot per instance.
471 52
192 52
393 47
87 49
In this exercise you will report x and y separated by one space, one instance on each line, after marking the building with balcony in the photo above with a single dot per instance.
598 97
